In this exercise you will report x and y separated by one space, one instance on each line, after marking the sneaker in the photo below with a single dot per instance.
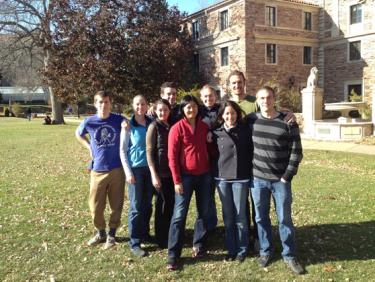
295 266
263 261
198 252
240 258
96 240
172 264
111 242
138 252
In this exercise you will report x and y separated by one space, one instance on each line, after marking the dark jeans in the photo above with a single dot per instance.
140 198
201 185
212 212
164 211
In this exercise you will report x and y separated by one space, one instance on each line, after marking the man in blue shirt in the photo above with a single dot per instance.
107 177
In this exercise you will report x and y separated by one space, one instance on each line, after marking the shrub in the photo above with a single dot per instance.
286 97
193 91
366 111
6 112
290 99
17 110
354 97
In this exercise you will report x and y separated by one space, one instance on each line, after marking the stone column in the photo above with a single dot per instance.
312 108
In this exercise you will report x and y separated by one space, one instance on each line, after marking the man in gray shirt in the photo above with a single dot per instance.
277 154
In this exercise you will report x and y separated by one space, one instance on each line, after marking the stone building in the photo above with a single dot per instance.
267 40
283 39
347 49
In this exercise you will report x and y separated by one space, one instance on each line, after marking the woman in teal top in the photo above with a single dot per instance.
134 161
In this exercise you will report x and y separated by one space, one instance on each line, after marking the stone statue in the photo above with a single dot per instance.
312 80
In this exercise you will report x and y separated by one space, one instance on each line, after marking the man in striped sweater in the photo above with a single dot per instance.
277 154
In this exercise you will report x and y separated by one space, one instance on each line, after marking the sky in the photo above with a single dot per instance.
191 6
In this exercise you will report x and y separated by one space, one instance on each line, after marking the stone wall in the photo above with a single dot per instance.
212 40
289 37
246 38
335 35
338 70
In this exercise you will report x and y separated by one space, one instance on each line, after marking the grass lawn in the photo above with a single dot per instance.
45 221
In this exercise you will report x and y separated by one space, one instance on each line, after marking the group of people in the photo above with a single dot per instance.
243 146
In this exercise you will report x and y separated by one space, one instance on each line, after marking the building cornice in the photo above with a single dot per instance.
340 40
286 40
213 7
289 2
221 42
309 6
286 28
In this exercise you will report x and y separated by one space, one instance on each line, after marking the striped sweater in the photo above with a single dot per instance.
277 147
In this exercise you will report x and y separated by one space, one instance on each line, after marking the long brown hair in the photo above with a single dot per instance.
228 103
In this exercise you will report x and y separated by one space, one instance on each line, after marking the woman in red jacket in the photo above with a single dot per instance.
189 164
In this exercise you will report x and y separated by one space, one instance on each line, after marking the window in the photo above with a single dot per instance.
355 14
224 56
271 53
224 20
306 55
270 16
196 30
196 62
307 20
354 51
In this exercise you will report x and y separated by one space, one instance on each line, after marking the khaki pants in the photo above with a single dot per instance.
103 184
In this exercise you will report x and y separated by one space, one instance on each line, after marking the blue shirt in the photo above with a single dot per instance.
104 140
137 145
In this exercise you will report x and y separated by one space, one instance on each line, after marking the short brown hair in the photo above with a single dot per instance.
236 72
102 94
208 86
269 89
168 84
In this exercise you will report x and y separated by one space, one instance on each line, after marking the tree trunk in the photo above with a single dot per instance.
57 110
78 116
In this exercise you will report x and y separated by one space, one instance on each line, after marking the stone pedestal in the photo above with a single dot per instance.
373 111
312 108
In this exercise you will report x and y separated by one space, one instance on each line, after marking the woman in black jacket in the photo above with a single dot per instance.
233 173
157 158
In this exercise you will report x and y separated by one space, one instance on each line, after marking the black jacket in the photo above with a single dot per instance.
157 147
235 152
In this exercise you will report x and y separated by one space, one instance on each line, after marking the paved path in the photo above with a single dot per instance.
338 146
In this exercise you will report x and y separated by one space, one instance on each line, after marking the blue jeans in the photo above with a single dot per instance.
282 195
201 185
140 198
233 196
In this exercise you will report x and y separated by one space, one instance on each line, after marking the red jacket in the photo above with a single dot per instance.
187 150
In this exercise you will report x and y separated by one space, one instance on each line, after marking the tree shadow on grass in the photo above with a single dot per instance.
335 242
315 243
215 247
